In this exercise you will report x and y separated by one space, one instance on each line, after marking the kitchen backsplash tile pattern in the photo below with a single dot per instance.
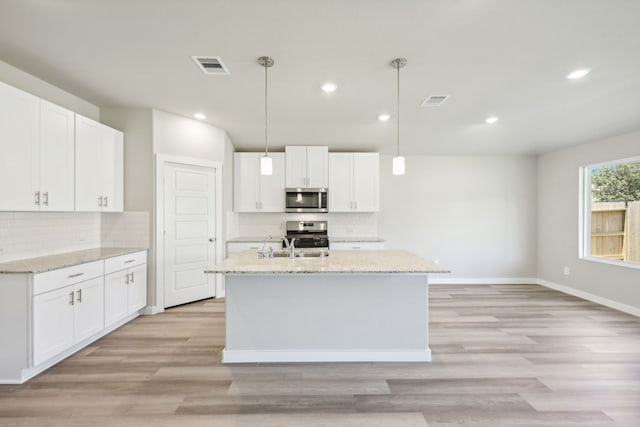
264 224
34 234
128 229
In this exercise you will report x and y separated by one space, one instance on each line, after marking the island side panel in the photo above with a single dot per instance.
326 317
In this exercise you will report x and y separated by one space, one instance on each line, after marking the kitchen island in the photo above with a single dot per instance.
348 306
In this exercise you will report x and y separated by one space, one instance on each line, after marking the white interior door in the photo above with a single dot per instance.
189 233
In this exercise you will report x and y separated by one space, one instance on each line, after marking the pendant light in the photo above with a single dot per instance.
398 161
266 162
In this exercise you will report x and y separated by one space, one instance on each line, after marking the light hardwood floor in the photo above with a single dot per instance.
507 355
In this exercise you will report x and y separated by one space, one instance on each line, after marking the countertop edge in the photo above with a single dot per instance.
64 259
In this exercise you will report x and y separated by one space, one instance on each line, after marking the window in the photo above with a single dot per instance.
610 212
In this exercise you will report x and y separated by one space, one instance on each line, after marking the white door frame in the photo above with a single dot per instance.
161 161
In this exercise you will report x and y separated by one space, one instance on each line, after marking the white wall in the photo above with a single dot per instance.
28 83
148 133
475 215
180 136
558 195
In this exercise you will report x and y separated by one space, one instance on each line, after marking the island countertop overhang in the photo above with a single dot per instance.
338 262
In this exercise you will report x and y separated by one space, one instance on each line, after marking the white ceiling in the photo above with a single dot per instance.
502 57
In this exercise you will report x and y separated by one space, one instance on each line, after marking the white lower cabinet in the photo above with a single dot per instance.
52 323
66 316
45 317
125 286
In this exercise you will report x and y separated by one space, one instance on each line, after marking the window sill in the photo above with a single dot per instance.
627 264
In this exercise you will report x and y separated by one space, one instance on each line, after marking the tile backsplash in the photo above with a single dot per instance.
273 224
33 234
127 229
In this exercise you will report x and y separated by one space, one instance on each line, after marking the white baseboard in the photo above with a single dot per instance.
151 309
591 297
435 280
288 356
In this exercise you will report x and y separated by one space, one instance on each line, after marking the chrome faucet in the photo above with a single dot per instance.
290 246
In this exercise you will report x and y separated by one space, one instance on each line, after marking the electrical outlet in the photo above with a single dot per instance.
566 271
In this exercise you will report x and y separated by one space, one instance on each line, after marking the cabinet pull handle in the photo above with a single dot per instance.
37 198
100 201
71 300
126 279
106 202
71 276
79 292
132 278
45 198
355 247
129 260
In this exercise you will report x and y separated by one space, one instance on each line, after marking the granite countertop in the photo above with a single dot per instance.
355 239
67 259
382 262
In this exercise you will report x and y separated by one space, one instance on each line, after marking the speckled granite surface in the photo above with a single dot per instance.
380 261
54 262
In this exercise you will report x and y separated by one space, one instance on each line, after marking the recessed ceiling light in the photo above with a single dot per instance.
329 87
199 116
384 117
578 74
491 120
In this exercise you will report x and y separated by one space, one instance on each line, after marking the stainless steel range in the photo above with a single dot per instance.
308 234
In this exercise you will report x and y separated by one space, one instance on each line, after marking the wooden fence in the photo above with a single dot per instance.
615 231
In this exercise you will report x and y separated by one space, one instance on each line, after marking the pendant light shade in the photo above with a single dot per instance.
398 165
266 162
266 165
398 161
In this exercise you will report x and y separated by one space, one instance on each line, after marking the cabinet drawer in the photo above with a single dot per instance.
354 246
45 282
235 247
124 261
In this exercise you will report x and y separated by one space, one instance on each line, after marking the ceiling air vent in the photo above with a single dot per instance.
434 100
211 64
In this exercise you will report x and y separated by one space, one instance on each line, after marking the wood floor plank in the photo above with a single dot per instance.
503 355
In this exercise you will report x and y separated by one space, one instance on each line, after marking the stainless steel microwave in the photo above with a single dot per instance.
306 200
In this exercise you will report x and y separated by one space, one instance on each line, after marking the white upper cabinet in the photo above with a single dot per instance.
366 182
99 167
36 153
340 182
19 118
354 182
307 166
254 192
39 158
56 158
